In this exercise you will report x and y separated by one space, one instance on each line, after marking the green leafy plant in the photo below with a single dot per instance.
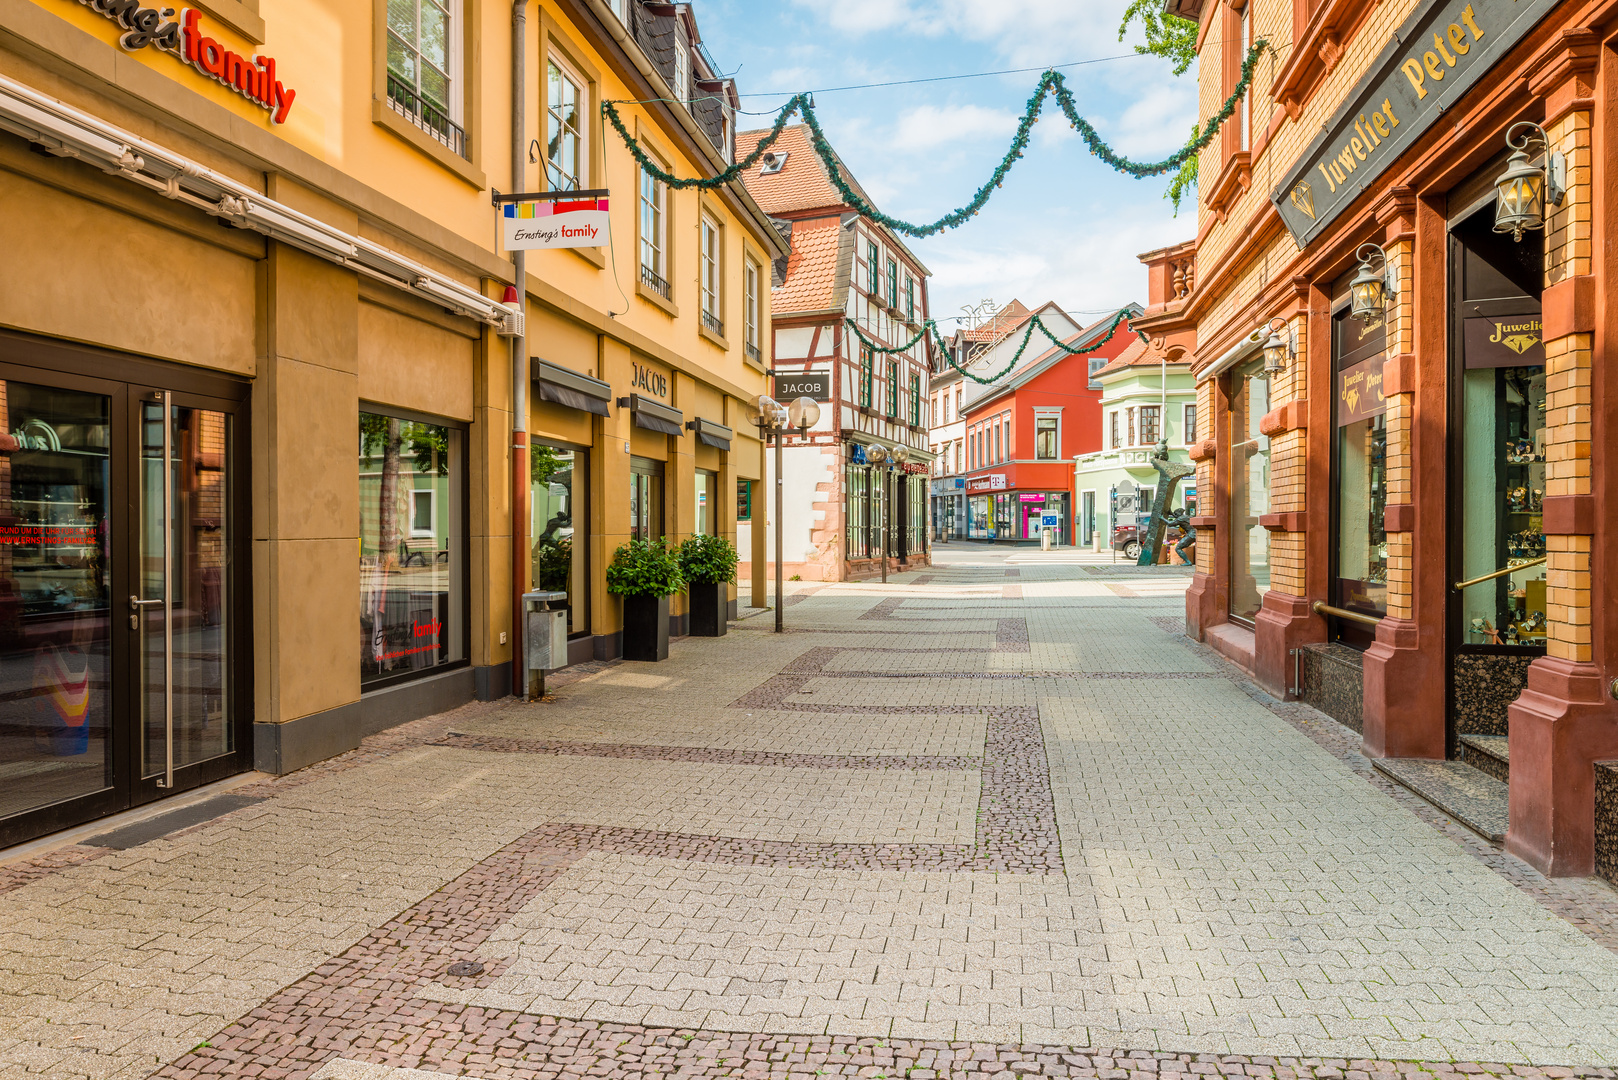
645 568
1175 40
708 560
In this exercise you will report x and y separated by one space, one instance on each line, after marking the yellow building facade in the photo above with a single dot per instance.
257 242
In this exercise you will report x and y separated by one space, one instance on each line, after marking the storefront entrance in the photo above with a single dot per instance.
122 675
1497 598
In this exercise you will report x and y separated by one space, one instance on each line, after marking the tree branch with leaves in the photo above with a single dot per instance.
1175 40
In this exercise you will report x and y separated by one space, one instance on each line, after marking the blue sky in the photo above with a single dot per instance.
1064 227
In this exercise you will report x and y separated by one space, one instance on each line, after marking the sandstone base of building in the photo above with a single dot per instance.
1404 692
1561 725
1284 623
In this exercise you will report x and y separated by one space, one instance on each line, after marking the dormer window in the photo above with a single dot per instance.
682 66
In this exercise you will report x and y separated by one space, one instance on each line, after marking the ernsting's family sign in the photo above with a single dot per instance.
559 224
1434 58
251 77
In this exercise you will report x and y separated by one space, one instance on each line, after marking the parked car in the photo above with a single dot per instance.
1126 538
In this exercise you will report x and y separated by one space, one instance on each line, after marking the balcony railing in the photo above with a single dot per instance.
753 353
717 325
652 281
424 114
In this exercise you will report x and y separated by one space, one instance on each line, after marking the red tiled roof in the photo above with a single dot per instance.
802 183
811 278
1138 354
1007 319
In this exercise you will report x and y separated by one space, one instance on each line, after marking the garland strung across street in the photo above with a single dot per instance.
1050 83
1027 336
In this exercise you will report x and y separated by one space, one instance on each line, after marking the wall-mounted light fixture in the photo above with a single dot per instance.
1279 351
1523 189
1371 291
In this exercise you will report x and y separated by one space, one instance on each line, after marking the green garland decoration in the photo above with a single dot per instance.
1050 83
945 351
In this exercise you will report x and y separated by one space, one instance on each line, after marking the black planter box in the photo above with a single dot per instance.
710 604
646 628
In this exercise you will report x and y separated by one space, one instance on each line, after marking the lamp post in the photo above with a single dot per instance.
770 418
899 455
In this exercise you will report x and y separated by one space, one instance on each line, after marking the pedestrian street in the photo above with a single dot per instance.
998 816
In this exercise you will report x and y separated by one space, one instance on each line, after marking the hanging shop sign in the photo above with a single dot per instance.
1434 57
1359 392
797 384
1504 341
185 39
991 482
565 221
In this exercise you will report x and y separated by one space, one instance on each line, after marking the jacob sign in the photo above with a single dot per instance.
578 223
1434 58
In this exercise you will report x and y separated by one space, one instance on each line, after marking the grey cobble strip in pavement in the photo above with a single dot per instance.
952 828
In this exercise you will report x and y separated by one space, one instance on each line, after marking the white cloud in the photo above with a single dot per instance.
935 125
1156 123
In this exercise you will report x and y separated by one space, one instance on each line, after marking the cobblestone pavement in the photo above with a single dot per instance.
997 818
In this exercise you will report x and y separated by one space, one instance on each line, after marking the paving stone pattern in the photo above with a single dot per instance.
947 828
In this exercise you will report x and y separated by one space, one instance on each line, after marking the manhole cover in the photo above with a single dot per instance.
466 967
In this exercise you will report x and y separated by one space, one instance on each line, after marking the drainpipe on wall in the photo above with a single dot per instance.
519 355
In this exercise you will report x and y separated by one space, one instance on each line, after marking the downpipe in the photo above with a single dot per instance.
519 354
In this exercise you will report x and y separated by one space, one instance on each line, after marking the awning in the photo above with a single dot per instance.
653 415
711 434
569 388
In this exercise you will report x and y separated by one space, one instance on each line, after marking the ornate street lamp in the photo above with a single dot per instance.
1522 190
1278 350
803 414
1371 291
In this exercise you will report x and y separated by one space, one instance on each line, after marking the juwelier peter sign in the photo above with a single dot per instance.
1435 56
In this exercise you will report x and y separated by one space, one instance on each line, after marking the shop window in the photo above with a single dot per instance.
1359 488
1149 425
654 237
710 270
559 526
1249 458
1501 417
707 490
1046 444
1188 428
645 499
424 62
565 129
858 510
412 547
744 500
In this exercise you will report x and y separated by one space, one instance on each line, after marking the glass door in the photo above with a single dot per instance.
119 616
181 608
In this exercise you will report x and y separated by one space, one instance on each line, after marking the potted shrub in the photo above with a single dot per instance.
645 573
709 566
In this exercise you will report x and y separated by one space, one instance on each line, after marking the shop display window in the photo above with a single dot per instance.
556 514
645 499
1501 456
1003 510
412 547
704 505
1503 491
1249 491
858 509
977 518
1360 577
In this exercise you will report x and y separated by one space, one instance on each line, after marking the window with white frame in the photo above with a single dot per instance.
654 239
1149 431
957 456
753 302
1188 430
709 272
565 105
620 8
1114 440
422 520
1047 438
893 284
424 67
682 64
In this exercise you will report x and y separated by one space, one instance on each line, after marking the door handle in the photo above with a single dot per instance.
136 603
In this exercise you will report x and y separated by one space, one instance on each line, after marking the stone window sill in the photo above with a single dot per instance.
385 117
670 308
